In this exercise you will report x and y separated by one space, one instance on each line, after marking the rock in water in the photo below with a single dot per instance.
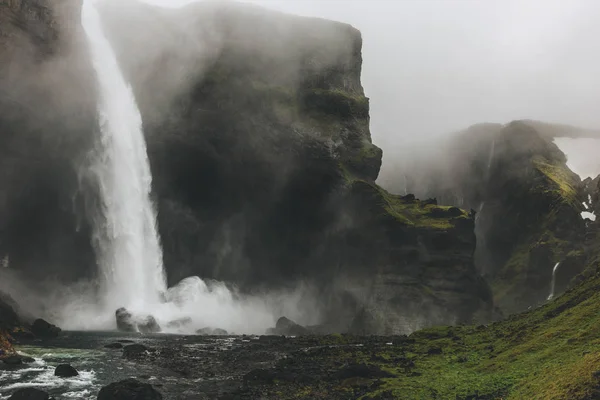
208 331
41 328
17 360
29 394
149 325
136 351
125 321
129 389
65 371
287 327
114 346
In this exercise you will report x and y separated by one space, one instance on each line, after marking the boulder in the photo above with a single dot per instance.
136 351
129 389
17 360
287 327
44 329
114 346
148 325
208 331
125 321
65 371
29 394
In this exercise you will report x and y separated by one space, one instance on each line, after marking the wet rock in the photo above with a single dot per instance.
44 329
29 394
287 327
136 351
65 371
126 341
114 346
211 332
17 360
125 321
129 389
148 325
179 323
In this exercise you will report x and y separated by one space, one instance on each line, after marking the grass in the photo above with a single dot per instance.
550 353
413 213
564 182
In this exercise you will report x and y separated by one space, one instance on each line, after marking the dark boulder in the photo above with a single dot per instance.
65 371
125 321
44 329
287 327
29 394
148 325
17 360
114 346
129 389
208 331
136 351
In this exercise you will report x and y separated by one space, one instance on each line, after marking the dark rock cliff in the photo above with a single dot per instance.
258 136
47 116
528 206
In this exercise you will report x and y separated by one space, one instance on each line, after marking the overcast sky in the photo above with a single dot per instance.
436 66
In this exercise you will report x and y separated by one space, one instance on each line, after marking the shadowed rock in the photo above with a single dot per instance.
17 360
29 394
65 371
148 325
125 320
136 351
114 346
44 329
287 327
208 331
129 389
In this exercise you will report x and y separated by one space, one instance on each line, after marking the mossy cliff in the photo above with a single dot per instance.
258 135
528 206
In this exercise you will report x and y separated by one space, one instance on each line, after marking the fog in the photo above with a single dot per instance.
437 66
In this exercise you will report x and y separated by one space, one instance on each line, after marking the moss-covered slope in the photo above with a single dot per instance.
552 352
528 206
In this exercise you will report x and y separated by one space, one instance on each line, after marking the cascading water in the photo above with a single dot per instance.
491 157
127 242
553 283
126 238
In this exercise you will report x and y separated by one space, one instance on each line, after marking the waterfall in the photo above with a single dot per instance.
491 158
553 283
125 234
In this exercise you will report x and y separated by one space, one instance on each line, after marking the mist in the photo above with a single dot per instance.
435 67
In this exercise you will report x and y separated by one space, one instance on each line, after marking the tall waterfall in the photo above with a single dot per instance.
126 238
553 283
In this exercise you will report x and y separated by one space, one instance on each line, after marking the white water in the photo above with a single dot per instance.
553 283
491 158
126 238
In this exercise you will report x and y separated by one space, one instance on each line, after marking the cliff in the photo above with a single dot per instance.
258 135
47 117
528 206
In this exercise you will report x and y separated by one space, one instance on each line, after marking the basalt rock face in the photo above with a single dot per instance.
527 204
257 129
47 116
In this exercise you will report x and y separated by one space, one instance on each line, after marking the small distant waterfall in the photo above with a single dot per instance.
491 157
553 283
126 238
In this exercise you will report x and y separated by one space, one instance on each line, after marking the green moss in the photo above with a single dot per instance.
549 353
412 213
335 102
564 185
